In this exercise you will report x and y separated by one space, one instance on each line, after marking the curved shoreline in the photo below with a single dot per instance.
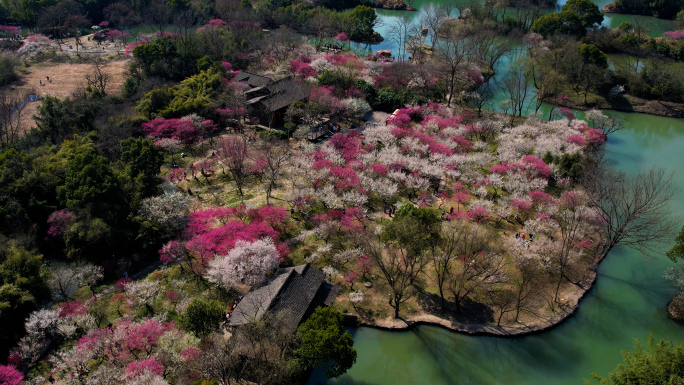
650 107
568 309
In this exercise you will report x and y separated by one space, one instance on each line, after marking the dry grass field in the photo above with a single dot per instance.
65 79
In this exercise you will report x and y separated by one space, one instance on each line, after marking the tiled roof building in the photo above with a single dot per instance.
268 100
294 291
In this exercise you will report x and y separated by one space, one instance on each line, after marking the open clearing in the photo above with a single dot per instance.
65 79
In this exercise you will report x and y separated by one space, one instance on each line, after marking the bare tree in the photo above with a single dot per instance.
633 209
222 360
98 79
526 285
11 115
398 266
490 47
571 218
268 344
399 33
453 52
121 15
446 255
414 43
281 44
276 157
234 154
432 20
517 88
481 97
66 279
157 14
320 26
504 300
480 265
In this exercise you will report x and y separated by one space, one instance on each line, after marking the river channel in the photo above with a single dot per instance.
628 300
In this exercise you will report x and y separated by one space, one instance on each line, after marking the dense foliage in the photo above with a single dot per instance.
658 363
664 9
324 344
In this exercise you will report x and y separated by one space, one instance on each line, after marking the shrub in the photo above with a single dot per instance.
202 317
273 134
8 65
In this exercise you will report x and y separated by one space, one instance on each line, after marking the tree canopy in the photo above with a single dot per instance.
659 363
324 344
202 317
575 17
677 251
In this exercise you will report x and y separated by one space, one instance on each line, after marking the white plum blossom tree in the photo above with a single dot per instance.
170 210
246 264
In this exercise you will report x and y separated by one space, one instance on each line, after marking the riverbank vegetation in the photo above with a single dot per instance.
664 9
656 363
579 64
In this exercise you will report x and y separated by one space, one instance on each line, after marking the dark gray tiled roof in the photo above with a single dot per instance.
278 94
251 79
295 291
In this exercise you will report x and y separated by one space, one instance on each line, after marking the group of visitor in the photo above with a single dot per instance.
389 209
520 237
226 315
40 81
447 217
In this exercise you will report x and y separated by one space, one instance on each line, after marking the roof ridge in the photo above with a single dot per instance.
282 285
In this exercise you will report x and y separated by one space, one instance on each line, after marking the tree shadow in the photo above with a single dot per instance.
472 312
620 102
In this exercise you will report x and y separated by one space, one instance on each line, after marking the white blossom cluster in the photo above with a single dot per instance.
246 264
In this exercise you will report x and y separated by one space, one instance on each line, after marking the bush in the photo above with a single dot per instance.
389 99
8 66
290 128
676 308
192 95
9 45
202 317
130 87
273 135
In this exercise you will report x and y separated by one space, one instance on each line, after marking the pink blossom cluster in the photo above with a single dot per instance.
9 29
181 129
675 35
131 46
35 38
302 68
326 99
9 375
59 222
125 341
231 113
216 23
115 34
71 308
216 231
